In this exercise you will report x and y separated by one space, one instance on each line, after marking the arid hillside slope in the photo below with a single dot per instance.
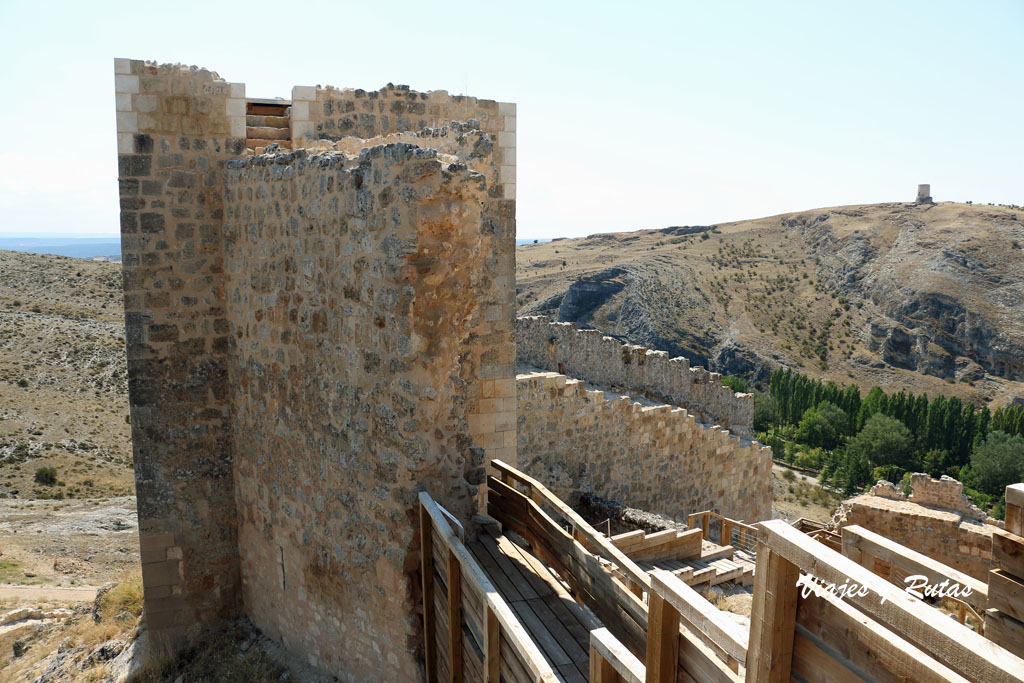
63 382
921 297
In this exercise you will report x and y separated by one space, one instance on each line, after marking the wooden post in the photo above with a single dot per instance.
726 536
1015 509
662 640
492 643
601 670
773 617
706 524
429 619
454 618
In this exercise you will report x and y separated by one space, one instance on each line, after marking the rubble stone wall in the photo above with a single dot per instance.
594 357
351 321
658 458
937 521
176 128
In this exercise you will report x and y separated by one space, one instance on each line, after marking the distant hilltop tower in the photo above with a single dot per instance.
924 194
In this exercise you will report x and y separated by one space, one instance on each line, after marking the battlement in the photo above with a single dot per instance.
595 357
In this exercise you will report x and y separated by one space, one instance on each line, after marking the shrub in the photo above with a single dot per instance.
47 476
22 382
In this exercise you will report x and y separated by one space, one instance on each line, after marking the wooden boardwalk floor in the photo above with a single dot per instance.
557 623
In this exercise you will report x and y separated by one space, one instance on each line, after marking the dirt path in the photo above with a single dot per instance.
49 593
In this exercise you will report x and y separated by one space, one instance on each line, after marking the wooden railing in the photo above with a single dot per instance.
896 562
470 632
878 632
611 662
732 532
703 643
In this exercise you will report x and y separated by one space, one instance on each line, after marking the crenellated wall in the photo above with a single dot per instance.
654 457
594 357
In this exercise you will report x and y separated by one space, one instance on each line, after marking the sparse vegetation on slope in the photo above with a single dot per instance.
920 297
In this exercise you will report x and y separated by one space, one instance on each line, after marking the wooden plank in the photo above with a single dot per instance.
662 640
813 664
960 648
511 572
773 616
862 644
1006 594
454 617
1005 631
1015 509
648 541
601 670
550 646
627 537
494 572
717 629
427 573
860 543
570 673
492 643
1008 552
577 651
726 551
684 545
604 645
529 571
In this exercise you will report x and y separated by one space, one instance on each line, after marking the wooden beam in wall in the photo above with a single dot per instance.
455 662
662 640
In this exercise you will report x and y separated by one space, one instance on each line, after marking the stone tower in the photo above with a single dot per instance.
924 194
313 337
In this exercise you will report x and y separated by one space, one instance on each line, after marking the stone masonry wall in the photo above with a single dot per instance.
653 457
176 128
937 521
353 300
328 113
312 339
594 357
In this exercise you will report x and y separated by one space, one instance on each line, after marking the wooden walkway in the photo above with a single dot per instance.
559 626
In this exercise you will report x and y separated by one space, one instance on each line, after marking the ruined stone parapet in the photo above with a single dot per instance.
946 494
659 458
886 489
328 113
594 357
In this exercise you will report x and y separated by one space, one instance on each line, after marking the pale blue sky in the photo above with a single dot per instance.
636 115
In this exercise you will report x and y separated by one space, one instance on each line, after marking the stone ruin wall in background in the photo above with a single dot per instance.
591 356
937 520
300 367
657 458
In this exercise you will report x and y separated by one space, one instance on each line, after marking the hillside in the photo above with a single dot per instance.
922 297
63 381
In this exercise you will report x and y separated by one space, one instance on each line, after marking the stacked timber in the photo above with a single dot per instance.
1004 618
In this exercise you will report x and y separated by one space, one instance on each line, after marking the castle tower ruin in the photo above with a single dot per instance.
313 336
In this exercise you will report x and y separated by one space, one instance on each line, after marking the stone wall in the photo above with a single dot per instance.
937 520
594 357
353 118
176 128
658 458
351 359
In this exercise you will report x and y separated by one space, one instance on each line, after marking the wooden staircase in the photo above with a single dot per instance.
686 555
267 122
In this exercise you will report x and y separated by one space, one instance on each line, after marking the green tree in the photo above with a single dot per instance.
876 402
822 426
998 462
883 441
765 414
